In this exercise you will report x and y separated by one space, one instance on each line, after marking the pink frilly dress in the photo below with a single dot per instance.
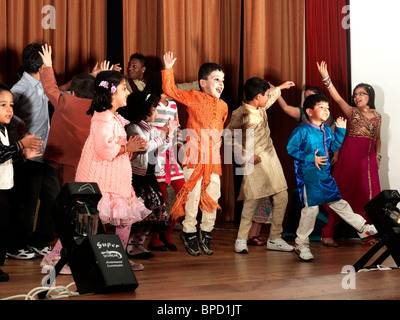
101 163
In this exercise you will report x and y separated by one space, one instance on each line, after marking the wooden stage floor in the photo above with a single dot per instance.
226 276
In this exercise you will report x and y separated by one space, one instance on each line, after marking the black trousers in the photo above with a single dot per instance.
5 216
35 184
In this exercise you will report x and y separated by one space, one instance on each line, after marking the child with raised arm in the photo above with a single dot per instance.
309 146
29 146
207 114
106 157
362 146
170 174
70 123
266 179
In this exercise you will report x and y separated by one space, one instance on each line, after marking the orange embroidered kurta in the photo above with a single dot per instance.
206 118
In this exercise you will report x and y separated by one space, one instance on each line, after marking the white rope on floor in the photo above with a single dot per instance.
60 291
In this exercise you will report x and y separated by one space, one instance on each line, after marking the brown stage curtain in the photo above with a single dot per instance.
78 40
199 31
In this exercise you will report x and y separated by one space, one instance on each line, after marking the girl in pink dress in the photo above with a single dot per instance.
106 156
356 169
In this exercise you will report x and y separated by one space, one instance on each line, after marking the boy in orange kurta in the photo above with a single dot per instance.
207 114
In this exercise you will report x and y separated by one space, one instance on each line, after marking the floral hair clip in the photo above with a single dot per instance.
106 85
113 88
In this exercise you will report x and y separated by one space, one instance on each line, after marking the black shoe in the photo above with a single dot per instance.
157 248
190 242
141 255
169 245
205 242
4 276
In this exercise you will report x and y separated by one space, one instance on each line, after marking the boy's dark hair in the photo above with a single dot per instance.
312 101
154 84
208 68
371 94
255 86
83 86
139 106
316 90
31 59
140 57
102 98
4 87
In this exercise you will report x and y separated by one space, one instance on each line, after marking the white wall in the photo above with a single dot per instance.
375 50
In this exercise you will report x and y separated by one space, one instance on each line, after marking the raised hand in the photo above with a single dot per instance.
117 67
323 69
287 85
341 123
104 66
169 60
165 129
173 126
46 56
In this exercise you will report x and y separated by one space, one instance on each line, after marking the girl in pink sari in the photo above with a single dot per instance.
356 169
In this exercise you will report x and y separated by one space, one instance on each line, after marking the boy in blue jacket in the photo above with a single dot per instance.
309 146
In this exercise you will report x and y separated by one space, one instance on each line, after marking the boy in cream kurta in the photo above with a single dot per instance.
264 176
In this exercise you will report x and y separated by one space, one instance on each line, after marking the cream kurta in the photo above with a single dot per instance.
267 178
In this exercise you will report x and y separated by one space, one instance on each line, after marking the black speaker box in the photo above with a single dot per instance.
100 265
376 210
384 215
70 193
98 261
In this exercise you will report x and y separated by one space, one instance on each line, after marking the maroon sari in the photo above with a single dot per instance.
356 172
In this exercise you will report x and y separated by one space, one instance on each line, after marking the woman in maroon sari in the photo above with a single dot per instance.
356 169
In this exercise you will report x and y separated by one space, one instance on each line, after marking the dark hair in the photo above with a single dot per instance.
83 86
31 59
102 98
255 86
139 106
154 84
371 94
4 87
312 101
139 57
208 68
316 90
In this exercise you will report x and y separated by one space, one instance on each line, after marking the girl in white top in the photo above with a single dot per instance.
141 111
172 173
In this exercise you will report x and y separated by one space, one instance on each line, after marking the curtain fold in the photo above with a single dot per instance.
78 38
327 39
